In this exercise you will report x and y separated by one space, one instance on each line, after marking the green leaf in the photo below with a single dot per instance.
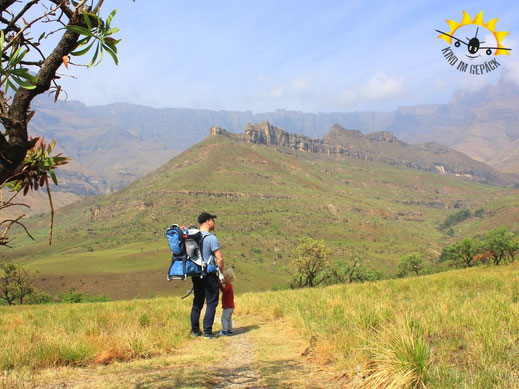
9 84
95 56
110 17
13 58
53 176
80 30
112 54
83 51
86 16
24 84
26 75
83 41
111 45
111 31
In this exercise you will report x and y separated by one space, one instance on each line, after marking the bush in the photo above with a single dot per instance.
412 264
38 297
500 245
309 262
73 296
463 253
358 271
455 218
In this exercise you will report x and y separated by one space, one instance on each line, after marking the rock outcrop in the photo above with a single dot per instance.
381 146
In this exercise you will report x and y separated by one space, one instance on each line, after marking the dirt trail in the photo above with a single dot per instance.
261 354
238 369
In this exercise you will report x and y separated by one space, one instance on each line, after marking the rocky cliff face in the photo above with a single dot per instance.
267 134
379 146
337 141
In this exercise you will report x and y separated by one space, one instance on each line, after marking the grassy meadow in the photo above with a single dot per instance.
457 329
266 200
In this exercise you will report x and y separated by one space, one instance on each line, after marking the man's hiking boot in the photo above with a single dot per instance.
196 334
210 335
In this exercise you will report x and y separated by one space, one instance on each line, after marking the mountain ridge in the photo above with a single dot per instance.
380 146
121 142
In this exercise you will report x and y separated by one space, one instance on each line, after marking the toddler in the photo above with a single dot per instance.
227 302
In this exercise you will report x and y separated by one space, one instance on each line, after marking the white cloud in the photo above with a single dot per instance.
383 87
441 84
314 94
474 83
294 88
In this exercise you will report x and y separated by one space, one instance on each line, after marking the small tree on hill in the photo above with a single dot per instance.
16 283
413 264
357 271
500 245
309 261
462 253
29 68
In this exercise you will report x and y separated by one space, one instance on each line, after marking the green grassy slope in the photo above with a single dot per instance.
456 329
266 200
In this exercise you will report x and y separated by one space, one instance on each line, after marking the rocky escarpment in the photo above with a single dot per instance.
379 146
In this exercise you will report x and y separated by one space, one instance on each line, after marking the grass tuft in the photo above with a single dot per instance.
399 358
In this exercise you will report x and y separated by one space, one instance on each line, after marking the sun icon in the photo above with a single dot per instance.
492 38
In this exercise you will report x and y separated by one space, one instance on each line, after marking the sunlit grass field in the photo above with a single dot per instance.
457 329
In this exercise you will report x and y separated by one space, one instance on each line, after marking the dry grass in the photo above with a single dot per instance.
451 330
457 329
84 334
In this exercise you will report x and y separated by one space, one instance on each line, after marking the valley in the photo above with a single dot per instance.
267 198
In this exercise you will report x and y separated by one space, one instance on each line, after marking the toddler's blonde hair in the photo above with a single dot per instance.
229 275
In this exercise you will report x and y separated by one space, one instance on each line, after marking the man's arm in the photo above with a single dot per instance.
219 259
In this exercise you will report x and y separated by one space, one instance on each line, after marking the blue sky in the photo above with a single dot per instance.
311 56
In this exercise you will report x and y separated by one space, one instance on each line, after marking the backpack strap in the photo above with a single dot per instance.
200 247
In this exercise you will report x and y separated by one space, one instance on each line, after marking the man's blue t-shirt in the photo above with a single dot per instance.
209 246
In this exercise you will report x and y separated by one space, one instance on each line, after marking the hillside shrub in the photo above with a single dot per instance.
500 245
455 218
309 262
74 296
463 253
411 264
356 271
16 283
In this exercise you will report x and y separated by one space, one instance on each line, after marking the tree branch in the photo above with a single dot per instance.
20 14
27 26
51 209
3 240
5 4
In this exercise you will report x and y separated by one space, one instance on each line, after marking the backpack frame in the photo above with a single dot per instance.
186 248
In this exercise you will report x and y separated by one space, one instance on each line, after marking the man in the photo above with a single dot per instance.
206 288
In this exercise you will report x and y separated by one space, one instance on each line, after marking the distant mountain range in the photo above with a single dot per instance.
114 144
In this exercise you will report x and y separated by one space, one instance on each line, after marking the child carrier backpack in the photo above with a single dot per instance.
186 250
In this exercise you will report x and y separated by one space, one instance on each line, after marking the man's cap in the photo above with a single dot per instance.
204 216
